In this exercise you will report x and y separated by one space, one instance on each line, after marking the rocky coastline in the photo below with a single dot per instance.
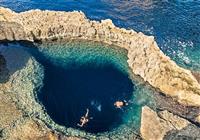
145 59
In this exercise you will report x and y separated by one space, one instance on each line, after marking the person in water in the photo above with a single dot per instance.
84 119
120 104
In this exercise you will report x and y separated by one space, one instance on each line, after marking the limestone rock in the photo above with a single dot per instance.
33 130
196 75
11 31
155 126
17 91
151 128
8 111
17 100
28 130
3 70
198 119
144 56
169 104
191 132
5 13
173 121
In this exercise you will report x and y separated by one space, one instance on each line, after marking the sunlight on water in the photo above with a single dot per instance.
79 54
172 22
76 55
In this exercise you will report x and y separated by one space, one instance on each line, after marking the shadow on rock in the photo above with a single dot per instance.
190 132
4 73
167 103
196 75
12 59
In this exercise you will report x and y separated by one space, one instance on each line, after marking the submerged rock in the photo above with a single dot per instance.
17 93
144 56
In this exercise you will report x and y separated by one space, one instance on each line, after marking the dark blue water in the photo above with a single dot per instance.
67 93
174 23
71 86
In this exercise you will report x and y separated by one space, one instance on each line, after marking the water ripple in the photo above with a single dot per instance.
170 21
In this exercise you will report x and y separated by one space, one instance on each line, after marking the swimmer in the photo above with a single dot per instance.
84 119
120 104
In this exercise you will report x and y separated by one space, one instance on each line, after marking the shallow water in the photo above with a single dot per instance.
174 23
80 75
84 75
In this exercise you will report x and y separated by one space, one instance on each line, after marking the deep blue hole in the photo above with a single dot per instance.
67 93
71 86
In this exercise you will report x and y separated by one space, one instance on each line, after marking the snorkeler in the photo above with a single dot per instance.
84 119
120 104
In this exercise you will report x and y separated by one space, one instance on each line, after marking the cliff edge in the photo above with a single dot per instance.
144 56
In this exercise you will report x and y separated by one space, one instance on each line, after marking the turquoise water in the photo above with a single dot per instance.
174 23
80 76
56 83
189 57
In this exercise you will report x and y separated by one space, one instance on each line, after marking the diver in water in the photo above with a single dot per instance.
84 119
120 104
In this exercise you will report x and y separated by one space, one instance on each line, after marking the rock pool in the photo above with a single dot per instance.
82 75
38 84
77 77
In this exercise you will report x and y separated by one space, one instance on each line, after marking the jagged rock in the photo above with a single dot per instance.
17 100
196 75
191 132
144 56
28 130
198 118
167 103
8 111
11 31
32 130
17 92
155 126
4 73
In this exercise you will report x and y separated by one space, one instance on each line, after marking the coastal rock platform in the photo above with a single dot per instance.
144 56
145 60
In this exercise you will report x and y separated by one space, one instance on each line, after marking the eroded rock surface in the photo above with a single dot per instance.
164 124
191 132
28 129
144 56
31 129
18 108
171 105
8 111
197 76
4 74
17 92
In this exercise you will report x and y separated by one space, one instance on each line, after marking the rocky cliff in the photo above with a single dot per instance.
166 126
144 56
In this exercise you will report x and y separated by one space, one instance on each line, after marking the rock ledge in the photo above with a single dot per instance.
144 56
